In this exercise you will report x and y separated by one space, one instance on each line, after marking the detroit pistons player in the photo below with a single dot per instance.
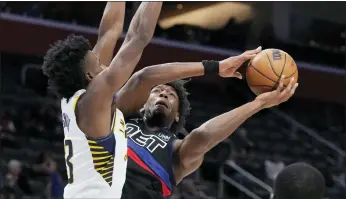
95 139
155 104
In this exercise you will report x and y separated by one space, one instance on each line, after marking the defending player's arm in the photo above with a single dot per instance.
99 96
190 151
136 91
110 30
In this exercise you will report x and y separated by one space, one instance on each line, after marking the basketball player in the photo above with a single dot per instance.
95 140
299 181
155 103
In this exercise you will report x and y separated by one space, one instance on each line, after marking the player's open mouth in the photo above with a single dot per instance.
161 103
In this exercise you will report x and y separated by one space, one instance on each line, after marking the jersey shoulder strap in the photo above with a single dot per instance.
72 101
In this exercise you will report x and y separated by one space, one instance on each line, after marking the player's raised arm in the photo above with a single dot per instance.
140 32
136 91
190 151
110 30
98 99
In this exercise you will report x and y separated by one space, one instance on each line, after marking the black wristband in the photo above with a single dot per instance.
211 67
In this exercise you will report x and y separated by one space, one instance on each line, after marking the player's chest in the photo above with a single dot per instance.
155 143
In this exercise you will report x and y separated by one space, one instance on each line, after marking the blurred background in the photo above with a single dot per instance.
309 128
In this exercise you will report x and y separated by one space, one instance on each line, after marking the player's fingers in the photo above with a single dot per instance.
288 88
248 56
280 87
238 75
281 81
255 51
290 84
293 90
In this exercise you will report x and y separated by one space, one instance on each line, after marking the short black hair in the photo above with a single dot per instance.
63 65
299 181
184 105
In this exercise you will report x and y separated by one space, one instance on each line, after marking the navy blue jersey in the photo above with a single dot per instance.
150 164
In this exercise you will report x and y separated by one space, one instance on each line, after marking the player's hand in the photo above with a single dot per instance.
229 66
279 95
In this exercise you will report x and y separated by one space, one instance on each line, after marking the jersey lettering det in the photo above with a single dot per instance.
150 142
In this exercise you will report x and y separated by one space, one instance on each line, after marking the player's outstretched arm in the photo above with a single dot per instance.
140 32
134 94
97 101
190 151
109 32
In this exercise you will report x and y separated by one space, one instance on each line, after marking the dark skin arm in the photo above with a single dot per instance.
190 151
95 120
136 91
110 30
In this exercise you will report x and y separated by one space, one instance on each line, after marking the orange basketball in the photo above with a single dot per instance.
265 70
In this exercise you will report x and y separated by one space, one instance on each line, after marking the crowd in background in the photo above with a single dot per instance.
32 156
32 160
40 171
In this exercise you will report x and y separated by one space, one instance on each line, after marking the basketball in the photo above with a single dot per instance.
265 70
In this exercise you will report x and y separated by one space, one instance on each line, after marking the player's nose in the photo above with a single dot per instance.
163 95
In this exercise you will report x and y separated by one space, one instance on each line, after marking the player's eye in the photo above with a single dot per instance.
172 94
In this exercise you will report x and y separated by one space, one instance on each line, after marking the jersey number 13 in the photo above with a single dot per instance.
69 166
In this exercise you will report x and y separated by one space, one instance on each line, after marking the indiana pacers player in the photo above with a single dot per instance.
95 139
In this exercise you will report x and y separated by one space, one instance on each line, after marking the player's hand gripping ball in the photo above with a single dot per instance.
229 66
267 67
279 95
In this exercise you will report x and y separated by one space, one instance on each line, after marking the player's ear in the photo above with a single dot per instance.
88 76
176 117
142 110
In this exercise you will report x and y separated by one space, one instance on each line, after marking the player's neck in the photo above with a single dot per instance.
156 122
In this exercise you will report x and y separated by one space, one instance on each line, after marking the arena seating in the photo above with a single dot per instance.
37 117
271 134
35 132
321 47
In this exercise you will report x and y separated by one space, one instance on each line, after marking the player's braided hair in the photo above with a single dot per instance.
299 181
63 65
184 105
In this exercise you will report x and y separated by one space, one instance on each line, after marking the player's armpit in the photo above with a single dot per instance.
97 101
110 30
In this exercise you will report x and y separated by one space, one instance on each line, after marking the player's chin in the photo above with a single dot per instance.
161 110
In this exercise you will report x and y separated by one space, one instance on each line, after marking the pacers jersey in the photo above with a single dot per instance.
96 168
150 167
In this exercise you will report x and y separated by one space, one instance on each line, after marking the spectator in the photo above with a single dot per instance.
55 188
6 124
273 167
16 182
